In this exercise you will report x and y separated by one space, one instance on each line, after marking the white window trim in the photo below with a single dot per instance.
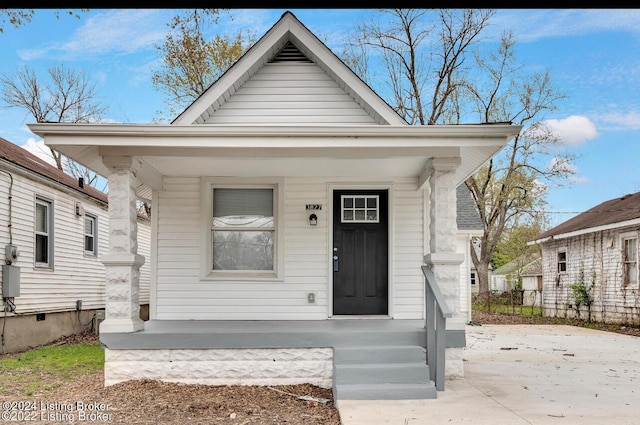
94 253
566 261
354 208
207 184
50 234
623 237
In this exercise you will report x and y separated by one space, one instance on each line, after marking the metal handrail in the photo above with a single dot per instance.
437 311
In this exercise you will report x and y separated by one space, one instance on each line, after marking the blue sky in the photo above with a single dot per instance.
593 56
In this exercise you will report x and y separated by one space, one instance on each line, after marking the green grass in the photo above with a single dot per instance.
61 363
522 311
64 360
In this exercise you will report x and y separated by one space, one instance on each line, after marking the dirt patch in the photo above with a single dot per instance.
155 402
482 318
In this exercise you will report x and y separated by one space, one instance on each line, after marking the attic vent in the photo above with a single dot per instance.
290 53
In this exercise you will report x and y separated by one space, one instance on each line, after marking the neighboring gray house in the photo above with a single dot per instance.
293 211
59 229
470 226
597 249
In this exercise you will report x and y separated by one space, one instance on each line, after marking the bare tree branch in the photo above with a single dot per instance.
66 97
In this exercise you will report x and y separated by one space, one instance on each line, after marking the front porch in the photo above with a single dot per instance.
204 334
372 358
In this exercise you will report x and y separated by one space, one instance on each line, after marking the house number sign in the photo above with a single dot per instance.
314 207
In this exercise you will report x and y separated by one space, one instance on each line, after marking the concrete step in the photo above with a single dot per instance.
380 354
390 373
381 372
384 392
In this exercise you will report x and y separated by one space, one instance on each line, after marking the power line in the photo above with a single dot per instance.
583 212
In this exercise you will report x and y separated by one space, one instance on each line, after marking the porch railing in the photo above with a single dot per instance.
437 311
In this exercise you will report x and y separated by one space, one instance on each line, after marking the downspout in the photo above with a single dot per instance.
4 309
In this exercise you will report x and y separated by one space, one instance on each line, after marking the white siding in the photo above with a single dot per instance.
144 249
290 93
74 275
463 244
408 250
182 294
599 256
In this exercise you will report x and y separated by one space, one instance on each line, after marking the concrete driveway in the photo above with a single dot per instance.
526 374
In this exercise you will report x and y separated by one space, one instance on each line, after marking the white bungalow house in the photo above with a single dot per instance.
470 227
292 213
53 230
598 251
524 273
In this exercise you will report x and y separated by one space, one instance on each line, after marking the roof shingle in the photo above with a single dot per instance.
612 211
25 159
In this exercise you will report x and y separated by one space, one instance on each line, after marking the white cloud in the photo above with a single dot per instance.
535 24
39 149
113 32
568 167
573 130
578 179
629 120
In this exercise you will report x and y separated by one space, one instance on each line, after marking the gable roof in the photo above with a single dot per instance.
527 264
30 162
373 141
532 269
616 212
288 39
467 216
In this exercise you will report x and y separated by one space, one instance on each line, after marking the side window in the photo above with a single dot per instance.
473 278
44 233
90 235
562 261
630 260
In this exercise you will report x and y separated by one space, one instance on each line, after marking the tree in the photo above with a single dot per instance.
514 243
67 97
20 17
423 53
437 73
511 187
190 63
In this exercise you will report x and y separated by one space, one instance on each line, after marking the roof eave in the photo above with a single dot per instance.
470 131
618 225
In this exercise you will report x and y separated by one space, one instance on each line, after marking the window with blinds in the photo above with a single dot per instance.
44 233
630 261
90 235
243 229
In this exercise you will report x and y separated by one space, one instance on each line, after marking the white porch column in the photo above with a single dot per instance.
122 263
443 259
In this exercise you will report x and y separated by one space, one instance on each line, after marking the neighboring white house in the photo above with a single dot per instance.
524 271
59 230
598 251
293 210
470 226
532 283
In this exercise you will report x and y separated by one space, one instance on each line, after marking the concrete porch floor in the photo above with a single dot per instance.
526 374
203 334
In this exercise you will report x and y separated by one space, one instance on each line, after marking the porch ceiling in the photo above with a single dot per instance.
305 151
